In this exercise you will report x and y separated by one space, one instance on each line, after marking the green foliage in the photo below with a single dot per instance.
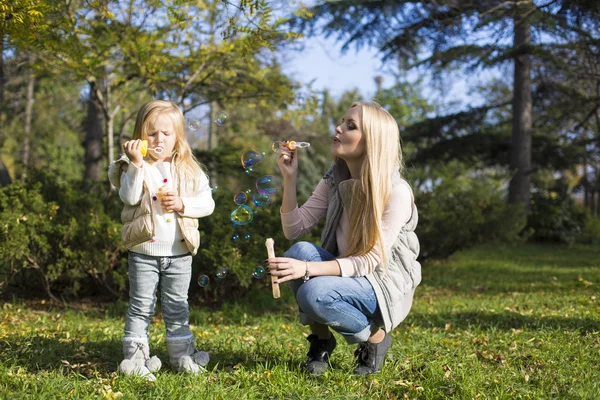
459 208
218 250
555 217
591 229
60 235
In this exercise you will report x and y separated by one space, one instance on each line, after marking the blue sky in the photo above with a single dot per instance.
322 61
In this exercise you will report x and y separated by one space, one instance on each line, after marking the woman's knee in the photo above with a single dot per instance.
301 251
315 296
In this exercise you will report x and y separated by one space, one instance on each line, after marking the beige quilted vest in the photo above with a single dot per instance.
138 220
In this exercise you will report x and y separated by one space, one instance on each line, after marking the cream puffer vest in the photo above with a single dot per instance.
138 220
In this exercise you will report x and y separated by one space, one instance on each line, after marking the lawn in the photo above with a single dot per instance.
490 322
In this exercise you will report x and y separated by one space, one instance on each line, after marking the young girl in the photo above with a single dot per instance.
165 192
364 276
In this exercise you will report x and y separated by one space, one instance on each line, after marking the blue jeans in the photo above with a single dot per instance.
346 304
145 274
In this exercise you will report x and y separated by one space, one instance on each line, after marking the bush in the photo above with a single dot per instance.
591 230
463 208
555 217
240 257
61 237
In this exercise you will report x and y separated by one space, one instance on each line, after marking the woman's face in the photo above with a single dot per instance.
348 142
161 135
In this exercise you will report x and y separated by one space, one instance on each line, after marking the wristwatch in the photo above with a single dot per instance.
307 273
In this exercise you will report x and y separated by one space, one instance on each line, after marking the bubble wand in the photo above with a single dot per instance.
290 144
144 148
270 244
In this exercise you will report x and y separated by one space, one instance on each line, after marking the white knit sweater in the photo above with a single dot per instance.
168 240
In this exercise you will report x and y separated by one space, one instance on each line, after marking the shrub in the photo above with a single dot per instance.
591 229
61 235
463 207
555 217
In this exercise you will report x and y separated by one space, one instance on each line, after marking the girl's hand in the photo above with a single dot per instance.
172 202
286 269
132 149
287 160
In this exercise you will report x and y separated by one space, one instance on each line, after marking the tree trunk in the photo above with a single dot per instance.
93 140
519 191
4 175
28 117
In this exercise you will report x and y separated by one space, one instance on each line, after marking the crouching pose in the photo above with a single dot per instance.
361 280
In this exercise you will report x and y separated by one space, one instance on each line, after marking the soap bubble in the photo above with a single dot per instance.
267 185
221 273
259 272
194 125
261 200
248 171
251 158
235 236
214 188
247 236
203 281
221 118
248 191
240 198
242 215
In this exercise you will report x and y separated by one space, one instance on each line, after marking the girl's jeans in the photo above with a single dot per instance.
145 274
347 305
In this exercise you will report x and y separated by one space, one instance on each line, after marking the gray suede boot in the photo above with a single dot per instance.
184 357
137 360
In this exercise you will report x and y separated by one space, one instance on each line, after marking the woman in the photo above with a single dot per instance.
361 281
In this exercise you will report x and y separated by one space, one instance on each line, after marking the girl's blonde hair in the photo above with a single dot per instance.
185 164
370 195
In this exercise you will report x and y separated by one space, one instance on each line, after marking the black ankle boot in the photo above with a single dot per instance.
370 356
318 355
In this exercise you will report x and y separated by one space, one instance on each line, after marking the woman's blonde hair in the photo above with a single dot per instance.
370 195
184 162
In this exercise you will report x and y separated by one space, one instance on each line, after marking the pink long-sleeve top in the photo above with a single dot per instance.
397 213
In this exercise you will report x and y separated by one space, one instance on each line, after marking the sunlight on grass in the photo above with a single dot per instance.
492 322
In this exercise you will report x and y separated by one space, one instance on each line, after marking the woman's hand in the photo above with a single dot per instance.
172 202
287 160
286 269
132 149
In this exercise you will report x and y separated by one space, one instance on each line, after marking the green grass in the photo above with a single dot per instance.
492 322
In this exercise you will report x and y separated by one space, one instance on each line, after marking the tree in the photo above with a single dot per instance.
471 35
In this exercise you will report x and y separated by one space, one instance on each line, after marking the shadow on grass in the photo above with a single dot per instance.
503 321
90 359
44 354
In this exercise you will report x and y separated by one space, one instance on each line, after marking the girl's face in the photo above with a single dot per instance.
161 135
348 142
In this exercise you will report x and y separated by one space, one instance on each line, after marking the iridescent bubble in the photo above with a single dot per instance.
261 200
221 273
267 185
248 171
221 118
203 280
247 236
251 158
259 272
248 191
235 236
194 125
240 198
242 215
